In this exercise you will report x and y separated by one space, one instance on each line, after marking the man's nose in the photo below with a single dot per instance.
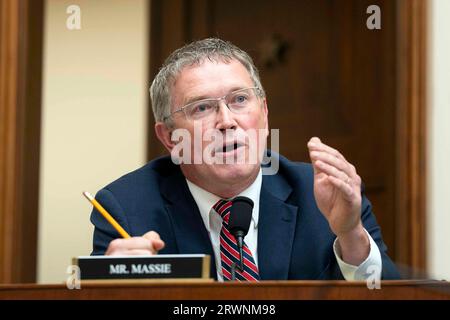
224 118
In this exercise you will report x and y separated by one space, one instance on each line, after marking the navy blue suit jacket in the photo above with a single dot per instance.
294 239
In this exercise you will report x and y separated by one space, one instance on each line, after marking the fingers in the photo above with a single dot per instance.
315 144
332 171
148 244
332 157
345 188
137 252
331 160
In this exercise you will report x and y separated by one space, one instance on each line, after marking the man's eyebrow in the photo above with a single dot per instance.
196 98
203 97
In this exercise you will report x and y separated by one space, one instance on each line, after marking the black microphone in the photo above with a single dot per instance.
239 222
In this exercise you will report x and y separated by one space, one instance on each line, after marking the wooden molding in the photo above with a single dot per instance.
8 118
411 136
233 290
20 110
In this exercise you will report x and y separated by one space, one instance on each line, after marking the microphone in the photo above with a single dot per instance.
239 222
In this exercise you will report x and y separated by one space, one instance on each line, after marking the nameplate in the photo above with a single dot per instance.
161 266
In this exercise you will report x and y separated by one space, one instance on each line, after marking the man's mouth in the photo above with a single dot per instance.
229 147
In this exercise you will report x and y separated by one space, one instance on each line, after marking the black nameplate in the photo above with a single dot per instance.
144 267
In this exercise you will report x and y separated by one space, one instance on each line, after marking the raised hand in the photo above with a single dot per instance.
337 189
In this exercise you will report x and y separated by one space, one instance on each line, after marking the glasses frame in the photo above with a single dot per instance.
182 109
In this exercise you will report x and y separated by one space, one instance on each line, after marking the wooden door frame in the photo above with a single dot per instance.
411 136
170 29
21 41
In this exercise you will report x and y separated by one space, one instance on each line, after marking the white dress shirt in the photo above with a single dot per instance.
213 223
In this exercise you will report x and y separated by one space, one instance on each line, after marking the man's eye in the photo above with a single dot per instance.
240 99
200 108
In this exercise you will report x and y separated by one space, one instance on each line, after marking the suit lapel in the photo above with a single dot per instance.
189 229
276 224
276 228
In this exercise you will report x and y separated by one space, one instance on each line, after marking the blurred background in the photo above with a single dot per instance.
75 111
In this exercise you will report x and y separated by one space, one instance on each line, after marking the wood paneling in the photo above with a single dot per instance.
265 290
20 101
8 115
168 31
360 90
411 136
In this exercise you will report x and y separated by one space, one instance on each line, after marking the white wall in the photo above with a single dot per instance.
94 118
438 228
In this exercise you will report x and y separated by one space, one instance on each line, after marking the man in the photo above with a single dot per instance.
308 221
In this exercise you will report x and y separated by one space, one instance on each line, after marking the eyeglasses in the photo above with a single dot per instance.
239 101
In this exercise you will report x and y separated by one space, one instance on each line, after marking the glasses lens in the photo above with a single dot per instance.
241 100
237 101
200 109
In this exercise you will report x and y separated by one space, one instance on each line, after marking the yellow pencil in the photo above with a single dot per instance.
105 213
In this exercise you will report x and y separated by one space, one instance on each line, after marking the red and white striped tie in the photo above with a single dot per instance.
229 251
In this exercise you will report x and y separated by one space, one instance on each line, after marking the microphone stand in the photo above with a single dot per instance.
233 271
240 243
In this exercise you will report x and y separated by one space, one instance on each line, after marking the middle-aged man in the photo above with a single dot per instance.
308 221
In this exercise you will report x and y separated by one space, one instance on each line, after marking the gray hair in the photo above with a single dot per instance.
195 53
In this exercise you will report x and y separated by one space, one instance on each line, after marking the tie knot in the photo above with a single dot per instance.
223 207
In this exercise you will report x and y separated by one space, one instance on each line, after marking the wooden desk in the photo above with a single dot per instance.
268 290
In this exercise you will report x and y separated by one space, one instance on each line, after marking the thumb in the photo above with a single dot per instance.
155 239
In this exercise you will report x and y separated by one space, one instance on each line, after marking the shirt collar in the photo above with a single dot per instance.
206 200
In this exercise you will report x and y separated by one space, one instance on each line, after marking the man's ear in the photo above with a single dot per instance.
164 134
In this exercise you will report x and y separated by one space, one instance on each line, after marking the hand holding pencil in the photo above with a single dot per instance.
149 244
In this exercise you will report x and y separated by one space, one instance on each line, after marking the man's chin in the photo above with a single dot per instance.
234 172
